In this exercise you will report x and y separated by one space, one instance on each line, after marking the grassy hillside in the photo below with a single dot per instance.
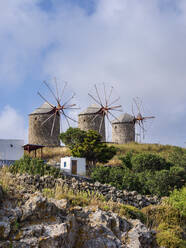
55 153
162 150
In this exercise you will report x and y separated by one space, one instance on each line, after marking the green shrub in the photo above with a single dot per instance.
145 172
178 175
177 157
101 174
34 166
159 183
177 199
148 161
123 210
170 236
132 212
131 181
126 160
163 213
116 177
145 182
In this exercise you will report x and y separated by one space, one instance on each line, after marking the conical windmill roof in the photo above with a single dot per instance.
43 109
92 109
124 118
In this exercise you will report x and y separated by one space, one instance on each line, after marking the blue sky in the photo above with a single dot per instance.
137 46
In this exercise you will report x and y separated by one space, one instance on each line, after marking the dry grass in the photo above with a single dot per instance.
5 178
76 198
166 220
52 153
9 183
137 147
93 200
162 150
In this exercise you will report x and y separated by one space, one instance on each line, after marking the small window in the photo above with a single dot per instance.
65 164
35 118
115 127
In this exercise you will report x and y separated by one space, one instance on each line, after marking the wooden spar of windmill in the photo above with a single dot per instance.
59 109
106 105
93 117
139 118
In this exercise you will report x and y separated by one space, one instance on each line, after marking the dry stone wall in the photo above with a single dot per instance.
85 184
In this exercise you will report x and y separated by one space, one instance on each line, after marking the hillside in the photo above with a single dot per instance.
71 213
162 150
55 153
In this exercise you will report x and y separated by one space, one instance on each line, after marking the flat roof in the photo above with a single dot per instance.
32 147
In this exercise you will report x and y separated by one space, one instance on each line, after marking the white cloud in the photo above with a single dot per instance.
23 37
137 45
140 45
12 124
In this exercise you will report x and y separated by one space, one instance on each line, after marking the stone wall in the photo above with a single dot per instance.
85 184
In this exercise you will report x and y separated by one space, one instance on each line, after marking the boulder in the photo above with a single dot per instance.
37 207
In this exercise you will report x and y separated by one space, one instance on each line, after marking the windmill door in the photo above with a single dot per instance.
74 167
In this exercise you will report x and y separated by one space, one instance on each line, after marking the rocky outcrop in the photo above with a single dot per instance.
39 222
84 184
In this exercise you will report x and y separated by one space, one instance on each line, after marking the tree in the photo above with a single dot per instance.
87 144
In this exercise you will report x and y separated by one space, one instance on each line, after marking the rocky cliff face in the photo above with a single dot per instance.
28 219
39 222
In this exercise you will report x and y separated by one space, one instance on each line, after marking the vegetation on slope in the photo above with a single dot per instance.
146 173
135 148
34 166
169 220
55 153
93 199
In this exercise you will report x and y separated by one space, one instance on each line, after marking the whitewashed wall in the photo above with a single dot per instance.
11 149
68 164
81 165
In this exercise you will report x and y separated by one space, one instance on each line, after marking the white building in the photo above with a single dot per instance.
75 166
10 150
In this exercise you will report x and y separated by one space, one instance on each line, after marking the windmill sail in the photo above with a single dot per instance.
60 107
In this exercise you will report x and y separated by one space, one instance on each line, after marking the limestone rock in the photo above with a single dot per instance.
49 223
139 236
37 207
102 229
